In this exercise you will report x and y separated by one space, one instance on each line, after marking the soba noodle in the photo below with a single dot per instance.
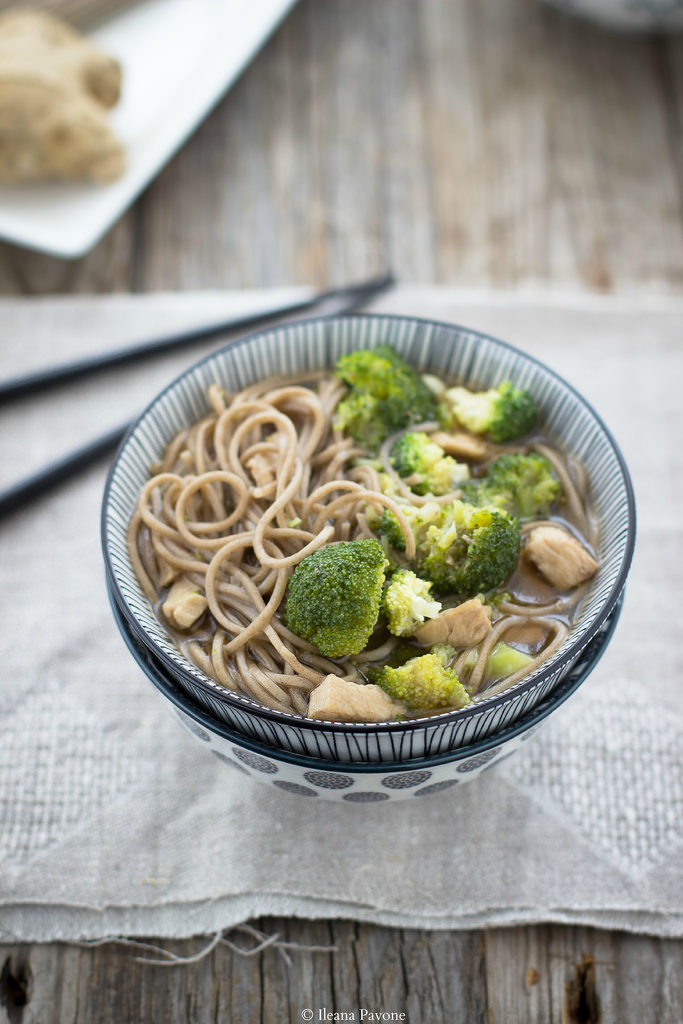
263 480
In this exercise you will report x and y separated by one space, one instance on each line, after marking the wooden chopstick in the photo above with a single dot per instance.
54 376
16 496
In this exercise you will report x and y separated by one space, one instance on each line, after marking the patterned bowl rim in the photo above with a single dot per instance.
246 704
154 671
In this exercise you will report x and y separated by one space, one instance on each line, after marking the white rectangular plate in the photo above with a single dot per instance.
178 58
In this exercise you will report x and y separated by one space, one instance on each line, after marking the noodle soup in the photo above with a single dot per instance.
271 477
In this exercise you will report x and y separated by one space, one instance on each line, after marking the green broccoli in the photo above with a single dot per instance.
390 530
358 413
334 596
468 550
504 413
502 662
523 485
446 652
416 455
422 683
385 394
460 548
407 603
419 517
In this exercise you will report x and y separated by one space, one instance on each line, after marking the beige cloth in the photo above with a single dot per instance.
113 821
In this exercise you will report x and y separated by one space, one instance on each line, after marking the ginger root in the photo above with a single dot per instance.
55 88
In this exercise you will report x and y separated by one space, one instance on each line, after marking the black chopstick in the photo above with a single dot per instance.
341 301
53 376
20 494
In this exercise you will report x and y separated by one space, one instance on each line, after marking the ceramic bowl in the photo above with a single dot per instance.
451 352
352 782
627 15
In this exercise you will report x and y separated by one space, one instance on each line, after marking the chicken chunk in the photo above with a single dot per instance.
559 556
463 626
340 700
462 445
184 604
167 573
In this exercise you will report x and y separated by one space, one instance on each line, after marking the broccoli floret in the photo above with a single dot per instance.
419 518
422 683
494 600
468 550
385 394
503 661
415 454
461 548
504 413
446 652
523 485
334 596
407 603
390 530
358 413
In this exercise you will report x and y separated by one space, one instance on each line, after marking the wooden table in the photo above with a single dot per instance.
491 143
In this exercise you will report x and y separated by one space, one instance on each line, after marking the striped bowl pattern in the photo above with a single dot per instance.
351 782
475 360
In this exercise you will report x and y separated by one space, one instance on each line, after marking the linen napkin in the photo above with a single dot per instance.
114 821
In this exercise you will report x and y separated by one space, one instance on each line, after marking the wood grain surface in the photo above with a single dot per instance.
498 143
548 974
494 143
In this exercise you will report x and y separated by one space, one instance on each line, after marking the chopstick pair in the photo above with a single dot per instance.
340 301
54 376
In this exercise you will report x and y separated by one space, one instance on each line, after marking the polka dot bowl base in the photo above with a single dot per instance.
317 778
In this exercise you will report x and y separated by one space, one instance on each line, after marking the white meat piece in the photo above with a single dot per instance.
340 700
167 574
463 626
462 445
262 468
559 556
183 604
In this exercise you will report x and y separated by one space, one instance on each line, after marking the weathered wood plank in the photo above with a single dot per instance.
375 975
519 983
445 976
531 975
108 268
484 144
668 54
579 975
